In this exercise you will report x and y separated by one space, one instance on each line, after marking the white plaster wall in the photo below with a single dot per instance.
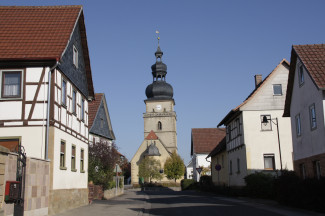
311 142
237 178
11 110
66 179
30 92
32 138
34 74
199 161
40 111
260 142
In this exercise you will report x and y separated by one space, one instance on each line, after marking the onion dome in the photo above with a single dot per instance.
159 89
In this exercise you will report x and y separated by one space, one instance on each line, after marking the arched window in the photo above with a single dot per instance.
159 126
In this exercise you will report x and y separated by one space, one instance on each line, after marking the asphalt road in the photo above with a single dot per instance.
173 203
169 203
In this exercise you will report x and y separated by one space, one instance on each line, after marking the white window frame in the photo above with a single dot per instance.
82 109
75 56
21 84
273 161
312 117
74 101
266 126
298 124
274 85
64 102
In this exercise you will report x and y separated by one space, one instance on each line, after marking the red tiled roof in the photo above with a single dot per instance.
152 136
32 33
313 59
204 140
251 95
93 108
221 146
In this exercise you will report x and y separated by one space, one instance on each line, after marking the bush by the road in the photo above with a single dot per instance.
260 185
188 184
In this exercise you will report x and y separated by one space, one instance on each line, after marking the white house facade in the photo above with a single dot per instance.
203 141
305 105
46 84
252 145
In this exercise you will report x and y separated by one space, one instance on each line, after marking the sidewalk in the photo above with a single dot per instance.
132 202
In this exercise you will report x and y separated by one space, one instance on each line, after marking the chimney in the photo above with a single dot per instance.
258 79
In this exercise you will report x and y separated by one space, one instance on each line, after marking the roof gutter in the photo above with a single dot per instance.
48 110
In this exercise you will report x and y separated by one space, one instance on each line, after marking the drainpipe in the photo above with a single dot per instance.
48 111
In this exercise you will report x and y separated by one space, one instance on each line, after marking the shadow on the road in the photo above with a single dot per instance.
169 203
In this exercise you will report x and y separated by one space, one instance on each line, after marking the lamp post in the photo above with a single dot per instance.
265 121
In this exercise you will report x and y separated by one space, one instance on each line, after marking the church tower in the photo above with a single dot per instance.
160 116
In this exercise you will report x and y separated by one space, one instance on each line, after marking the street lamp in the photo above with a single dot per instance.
265 121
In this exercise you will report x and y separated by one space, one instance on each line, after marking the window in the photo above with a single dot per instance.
62 155
267 126
269 162
159 126
75 56
277 89
64 92
298 125
82 160
302 170
312 116
238 165
101 122
11 84
74 100
82 115
73 158
317 170
228 133
301 75
230 167
238 126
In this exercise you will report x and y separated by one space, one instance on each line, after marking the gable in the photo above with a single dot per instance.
101 125
77 75
264 98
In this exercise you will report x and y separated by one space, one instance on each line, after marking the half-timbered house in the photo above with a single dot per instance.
46 83
255 128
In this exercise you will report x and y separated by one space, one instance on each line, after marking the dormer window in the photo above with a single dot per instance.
75 56
301 75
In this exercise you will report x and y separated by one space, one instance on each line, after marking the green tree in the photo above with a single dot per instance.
149 168
174 167
102 159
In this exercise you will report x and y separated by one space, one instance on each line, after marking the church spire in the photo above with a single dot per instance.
159 89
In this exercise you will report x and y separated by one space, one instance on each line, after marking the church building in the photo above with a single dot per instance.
160 137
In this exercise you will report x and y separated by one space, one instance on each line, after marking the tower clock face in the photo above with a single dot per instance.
158 107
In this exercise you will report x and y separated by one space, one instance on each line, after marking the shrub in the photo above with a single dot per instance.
293 191
260 185
188 184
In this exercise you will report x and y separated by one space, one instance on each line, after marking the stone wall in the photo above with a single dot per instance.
108 194
9 175
65 199
36 184
37 187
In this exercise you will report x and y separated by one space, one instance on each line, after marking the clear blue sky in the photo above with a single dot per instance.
212 49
